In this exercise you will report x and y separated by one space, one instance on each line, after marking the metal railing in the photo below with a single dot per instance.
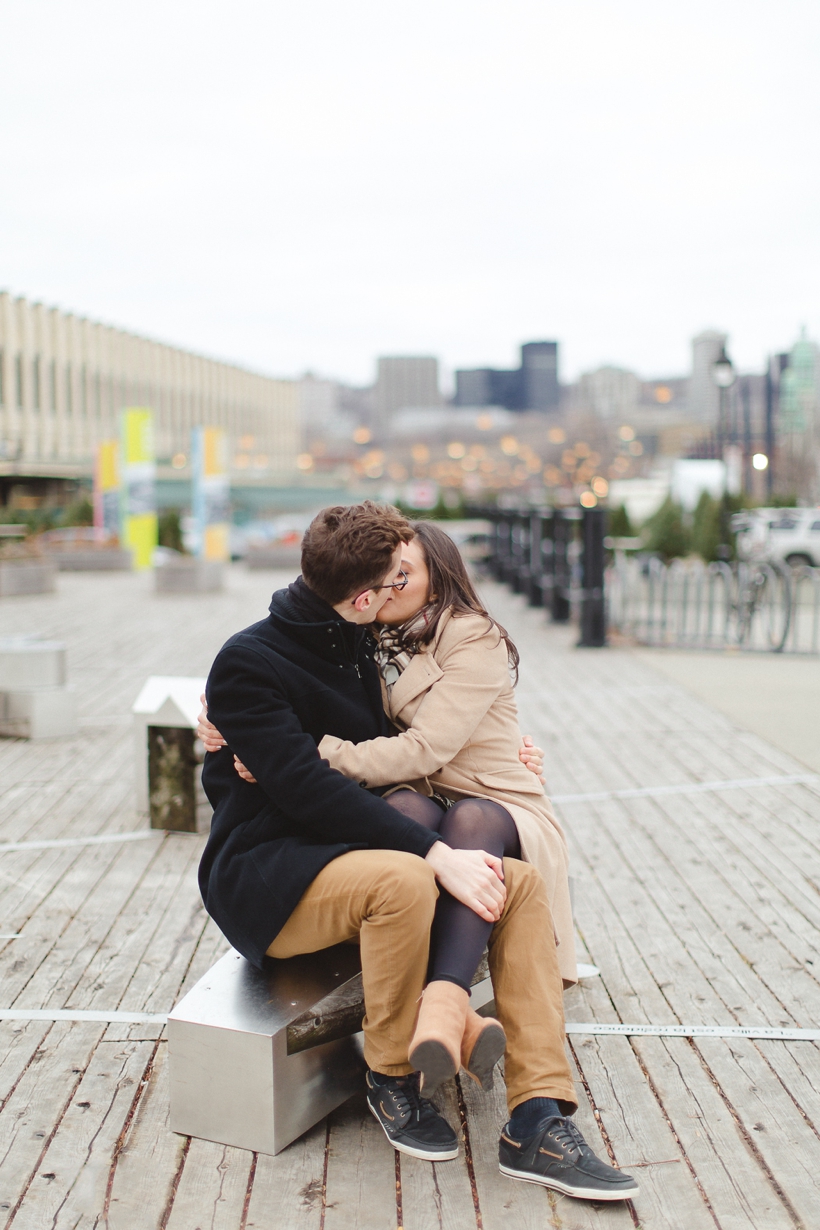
689 604
556 557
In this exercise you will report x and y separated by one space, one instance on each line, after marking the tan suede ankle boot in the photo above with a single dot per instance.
435 1050
482 1046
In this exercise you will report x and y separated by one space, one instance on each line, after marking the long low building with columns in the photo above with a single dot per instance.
64 380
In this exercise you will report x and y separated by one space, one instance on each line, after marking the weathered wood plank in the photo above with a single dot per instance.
34 1110
149 1159
438 1195
738 1190
69 1187
288 1189
212 1188
361 1172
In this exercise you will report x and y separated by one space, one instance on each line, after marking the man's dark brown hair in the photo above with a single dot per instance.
348 548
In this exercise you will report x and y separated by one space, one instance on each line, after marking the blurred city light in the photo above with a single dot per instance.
760 461
456 449
509 445
362 435
626 433
304 462
588 500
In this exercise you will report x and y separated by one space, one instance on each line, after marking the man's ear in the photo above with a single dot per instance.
363 601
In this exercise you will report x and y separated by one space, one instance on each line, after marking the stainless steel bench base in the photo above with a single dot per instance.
232 1080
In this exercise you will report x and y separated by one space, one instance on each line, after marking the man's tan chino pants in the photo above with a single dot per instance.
387 898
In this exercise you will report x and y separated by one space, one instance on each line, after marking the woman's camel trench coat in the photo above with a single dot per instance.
455 710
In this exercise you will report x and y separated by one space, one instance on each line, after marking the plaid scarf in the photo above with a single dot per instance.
394 650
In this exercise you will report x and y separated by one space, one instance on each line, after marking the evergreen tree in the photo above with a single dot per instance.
619 524
706 527
665 532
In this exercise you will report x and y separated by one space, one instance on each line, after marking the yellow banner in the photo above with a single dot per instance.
138 436
139 505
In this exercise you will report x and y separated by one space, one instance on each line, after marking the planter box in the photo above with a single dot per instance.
189 576
112 560
28 663
38 713
275 557
23 576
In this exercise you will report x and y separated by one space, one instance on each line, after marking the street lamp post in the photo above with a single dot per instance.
724 376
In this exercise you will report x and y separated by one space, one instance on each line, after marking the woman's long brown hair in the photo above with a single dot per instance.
452 587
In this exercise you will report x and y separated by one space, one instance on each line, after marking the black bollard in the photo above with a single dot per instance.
593 606
560 597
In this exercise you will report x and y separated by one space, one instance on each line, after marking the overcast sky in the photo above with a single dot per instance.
307 184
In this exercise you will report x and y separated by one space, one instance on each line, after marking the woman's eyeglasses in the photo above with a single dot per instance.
397 584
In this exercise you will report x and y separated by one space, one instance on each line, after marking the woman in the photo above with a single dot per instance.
445 666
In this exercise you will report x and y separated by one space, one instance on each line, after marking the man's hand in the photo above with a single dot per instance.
532 757
473 877
207 732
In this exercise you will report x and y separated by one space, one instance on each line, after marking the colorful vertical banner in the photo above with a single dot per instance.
107 489
211 494
139 469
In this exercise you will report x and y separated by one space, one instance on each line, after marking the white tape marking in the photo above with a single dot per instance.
69 1014
640 792
59 842
696 1031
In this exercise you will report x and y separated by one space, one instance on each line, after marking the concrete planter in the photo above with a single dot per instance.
275 557
189 576
109 560
27 576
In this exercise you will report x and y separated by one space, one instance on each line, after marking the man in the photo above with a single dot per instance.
304 858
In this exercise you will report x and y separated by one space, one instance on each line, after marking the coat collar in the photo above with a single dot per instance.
306 618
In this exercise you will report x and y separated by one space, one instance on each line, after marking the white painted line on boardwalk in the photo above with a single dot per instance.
572 1027
641 792
70 1014
59 842
696 1031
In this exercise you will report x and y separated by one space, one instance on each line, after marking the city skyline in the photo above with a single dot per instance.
307 188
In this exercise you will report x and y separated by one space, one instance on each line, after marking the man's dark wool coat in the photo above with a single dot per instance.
274 691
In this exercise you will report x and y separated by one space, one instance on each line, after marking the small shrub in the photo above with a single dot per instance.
169 529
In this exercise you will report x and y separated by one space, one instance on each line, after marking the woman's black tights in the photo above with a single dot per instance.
459 937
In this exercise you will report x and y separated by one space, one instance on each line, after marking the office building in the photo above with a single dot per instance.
704 395
404 381
65 379
531 386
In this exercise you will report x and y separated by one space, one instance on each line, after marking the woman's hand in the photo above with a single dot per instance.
244 773
473 877
213 741
532 757
207 732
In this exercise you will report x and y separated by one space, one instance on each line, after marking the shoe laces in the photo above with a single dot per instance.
408 1099
564 1132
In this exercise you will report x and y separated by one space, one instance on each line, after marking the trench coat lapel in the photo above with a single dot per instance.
419 675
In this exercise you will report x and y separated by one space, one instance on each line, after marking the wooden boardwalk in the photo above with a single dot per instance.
701 907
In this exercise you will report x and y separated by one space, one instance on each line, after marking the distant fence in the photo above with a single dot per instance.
689 604
556 557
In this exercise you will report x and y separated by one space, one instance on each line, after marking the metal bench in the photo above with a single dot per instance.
257 1058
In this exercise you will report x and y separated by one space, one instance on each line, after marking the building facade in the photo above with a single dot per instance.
404 381
65 379
532 386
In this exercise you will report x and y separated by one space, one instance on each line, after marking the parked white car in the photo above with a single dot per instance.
785 535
